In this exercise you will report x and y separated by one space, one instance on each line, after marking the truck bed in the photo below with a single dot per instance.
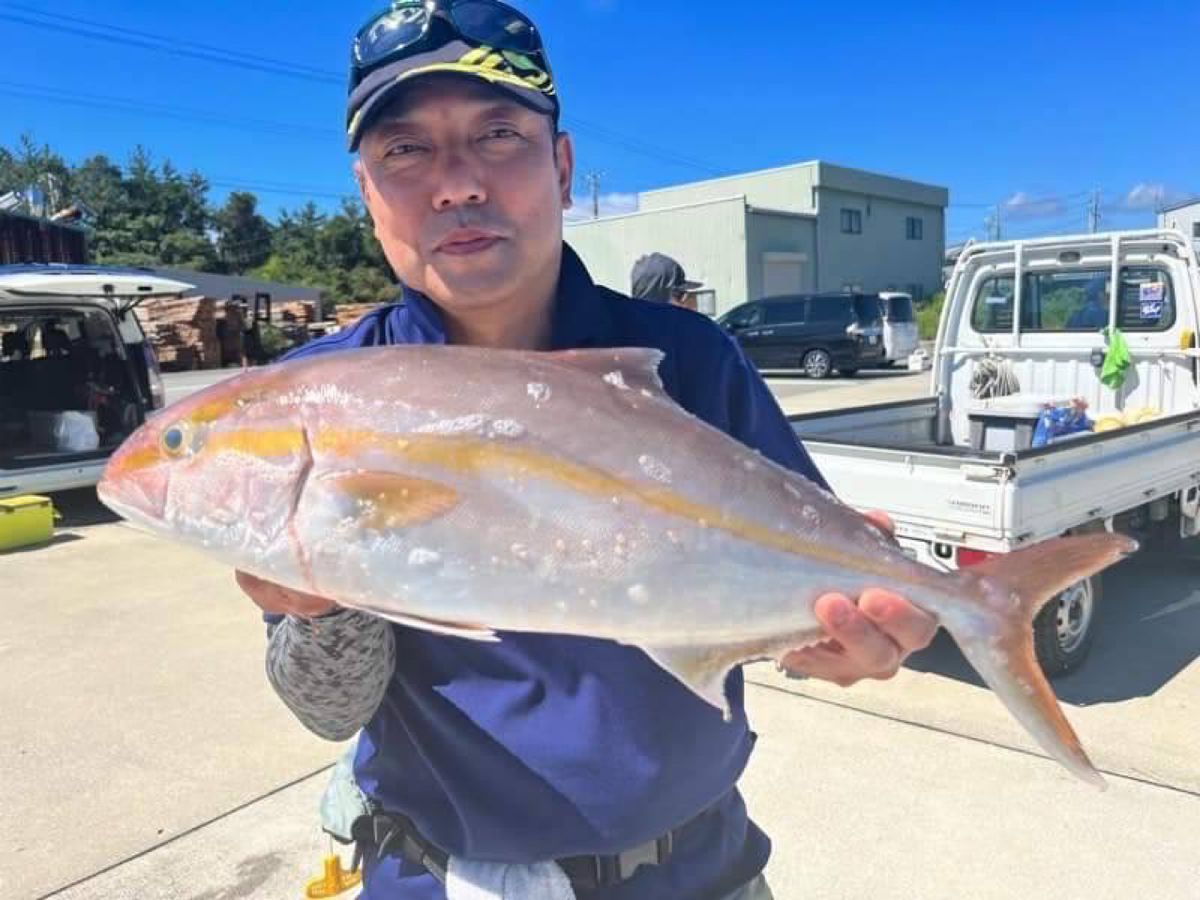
887 457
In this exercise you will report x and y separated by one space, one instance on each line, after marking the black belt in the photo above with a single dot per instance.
391 834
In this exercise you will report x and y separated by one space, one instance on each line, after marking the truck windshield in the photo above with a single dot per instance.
1076 300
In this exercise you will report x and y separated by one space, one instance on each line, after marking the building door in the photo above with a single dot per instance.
783 273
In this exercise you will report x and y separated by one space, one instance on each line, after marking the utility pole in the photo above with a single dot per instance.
593 180
993 224
1094 212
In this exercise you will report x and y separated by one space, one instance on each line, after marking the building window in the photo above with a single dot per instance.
851 221
1196 230
914 228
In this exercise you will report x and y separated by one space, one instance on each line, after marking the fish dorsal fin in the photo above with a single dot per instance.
632 368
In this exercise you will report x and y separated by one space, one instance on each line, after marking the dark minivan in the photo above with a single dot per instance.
814 332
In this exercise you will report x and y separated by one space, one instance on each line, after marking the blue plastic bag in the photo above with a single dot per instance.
1058 421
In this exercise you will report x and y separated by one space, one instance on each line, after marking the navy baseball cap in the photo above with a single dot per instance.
658 276
482 39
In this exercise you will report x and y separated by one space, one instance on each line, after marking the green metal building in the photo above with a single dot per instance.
806 227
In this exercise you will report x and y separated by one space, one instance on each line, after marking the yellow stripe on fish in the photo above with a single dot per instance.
263 443
470 455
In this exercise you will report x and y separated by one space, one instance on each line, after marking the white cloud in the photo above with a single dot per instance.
613 204
1022 205
1150 196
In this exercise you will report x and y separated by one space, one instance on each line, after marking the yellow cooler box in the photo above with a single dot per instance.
25 520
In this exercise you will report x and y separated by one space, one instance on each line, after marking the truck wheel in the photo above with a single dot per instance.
1064 629
817 363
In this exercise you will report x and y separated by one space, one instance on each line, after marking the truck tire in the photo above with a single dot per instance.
1064 629
817 364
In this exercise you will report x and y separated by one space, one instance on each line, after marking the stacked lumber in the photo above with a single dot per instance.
295 312
349 313
182 331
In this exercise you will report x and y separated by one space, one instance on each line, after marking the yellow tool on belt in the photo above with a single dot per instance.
334 881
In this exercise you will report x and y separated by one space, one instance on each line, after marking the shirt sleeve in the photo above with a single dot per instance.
331 672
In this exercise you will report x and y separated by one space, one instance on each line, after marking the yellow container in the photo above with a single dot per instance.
25 520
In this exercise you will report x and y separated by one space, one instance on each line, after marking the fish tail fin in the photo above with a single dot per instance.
995 631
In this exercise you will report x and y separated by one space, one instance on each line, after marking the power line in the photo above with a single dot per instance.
171 41
119 104
128 37
168 46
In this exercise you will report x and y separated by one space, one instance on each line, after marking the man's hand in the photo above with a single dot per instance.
274 598
868 640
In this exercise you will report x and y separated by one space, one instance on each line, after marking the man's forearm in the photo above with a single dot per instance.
332 672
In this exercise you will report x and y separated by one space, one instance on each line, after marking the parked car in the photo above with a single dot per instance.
814 332
77 374
962 472
900 336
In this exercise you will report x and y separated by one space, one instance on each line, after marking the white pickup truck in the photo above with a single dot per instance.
1022 327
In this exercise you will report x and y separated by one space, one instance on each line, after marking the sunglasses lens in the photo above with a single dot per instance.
397 28
495 26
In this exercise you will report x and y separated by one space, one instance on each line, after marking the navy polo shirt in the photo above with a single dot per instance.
540 747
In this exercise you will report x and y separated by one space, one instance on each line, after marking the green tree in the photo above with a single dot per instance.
243 236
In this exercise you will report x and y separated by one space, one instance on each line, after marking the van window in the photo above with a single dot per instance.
867 308
784 312
743 316
1077 301
830 309
899 309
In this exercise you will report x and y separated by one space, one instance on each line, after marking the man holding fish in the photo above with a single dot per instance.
528 567
466 175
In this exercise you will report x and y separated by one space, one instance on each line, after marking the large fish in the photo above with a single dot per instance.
471 492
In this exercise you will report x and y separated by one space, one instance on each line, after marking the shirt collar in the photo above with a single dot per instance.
581 314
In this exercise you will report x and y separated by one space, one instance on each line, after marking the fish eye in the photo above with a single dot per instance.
175 439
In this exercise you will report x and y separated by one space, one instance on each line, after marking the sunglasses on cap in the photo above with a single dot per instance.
410 26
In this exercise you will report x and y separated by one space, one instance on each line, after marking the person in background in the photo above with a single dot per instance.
660 278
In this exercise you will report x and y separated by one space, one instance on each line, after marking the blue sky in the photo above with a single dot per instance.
1025 106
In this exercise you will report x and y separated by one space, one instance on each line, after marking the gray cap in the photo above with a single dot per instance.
658 276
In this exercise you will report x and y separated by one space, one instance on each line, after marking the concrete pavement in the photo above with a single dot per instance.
145 755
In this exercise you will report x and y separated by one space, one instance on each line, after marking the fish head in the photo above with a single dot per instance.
220 469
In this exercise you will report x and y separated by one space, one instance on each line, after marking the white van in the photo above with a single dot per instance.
900 337
77 375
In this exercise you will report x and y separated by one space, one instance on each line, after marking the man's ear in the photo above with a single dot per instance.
565 160
364 183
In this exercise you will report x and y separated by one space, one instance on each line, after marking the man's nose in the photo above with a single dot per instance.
460 182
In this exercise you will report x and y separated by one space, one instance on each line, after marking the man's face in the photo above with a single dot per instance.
466 192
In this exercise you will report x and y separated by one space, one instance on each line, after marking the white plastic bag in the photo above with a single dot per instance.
75 432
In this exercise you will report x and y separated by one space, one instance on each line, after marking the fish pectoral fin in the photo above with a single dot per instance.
636 366
436 626
388 500
704 669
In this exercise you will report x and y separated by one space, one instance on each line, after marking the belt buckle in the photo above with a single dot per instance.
651 853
